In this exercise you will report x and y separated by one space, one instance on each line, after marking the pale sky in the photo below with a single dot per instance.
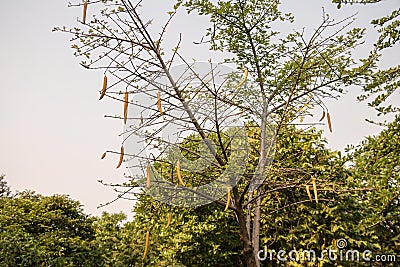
53 129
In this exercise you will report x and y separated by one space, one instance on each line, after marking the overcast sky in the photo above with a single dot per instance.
53 129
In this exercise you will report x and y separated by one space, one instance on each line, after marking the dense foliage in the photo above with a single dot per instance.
37 230
53 231
207 236
376 164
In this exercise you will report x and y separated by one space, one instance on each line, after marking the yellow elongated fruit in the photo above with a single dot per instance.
148 172
323 115
308 192
126 99
121 157
315 189
169 219
228 199
245 74
103 91
159 103
178 172
328 117
104 155
301 118
85 5
146 245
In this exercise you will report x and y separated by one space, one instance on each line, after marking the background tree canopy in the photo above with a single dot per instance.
53 231
45 231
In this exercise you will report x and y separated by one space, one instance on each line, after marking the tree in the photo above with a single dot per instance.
376 164
383 83
116 240
5 190
207 236
291 75
37 230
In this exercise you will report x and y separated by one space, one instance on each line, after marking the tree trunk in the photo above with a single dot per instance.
248 251
248 212
256 227
259 179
